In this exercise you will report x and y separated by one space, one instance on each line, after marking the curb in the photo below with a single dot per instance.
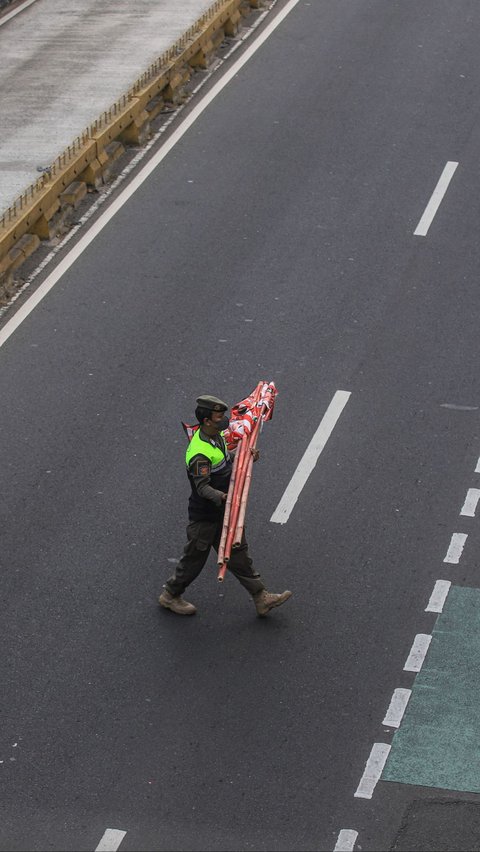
46 209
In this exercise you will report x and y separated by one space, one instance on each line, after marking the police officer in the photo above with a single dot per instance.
209 467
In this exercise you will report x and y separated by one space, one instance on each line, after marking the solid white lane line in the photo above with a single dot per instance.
9 15
111 840
418 652
373 771
438 596
396 708
455 547
471 500
142 176
310 457
346 840
422 228
477 469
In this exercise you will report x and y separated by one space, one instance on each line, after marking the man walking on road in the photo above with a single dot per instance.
209 467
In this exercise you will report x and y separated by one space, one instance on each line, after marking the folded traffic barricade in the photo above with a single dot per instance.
245 426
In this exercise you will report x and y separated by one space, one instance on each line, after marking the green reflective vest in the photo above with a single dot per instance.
201 508
199 447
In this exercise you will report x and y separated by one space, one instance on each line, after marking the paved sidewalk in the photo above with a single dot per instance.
63 63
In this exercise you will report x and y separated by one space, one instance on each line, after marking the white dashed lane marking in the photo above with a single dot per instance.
373 770
346 840
469 507
310 457
111 840
418 652
397 708
455 548
438 596
422 228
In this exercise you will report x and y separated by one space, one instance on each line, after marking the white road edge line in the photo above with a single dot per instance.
310 457
396 708
438 596
471 500
477 469
455 548
142 176
111 840
346 840
422 228
9 15
373 771
418 652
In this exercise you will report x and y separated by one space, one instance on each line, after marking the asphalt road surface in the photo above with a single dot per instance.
274 241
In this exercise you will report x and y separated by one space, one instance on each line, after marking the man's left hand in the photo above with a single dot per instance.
255 453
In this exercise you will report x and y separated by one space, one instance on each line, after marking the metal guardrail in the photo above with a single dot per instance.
161 65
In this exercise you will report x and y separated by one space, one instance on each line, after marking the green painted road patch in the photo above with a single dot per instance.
438 742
